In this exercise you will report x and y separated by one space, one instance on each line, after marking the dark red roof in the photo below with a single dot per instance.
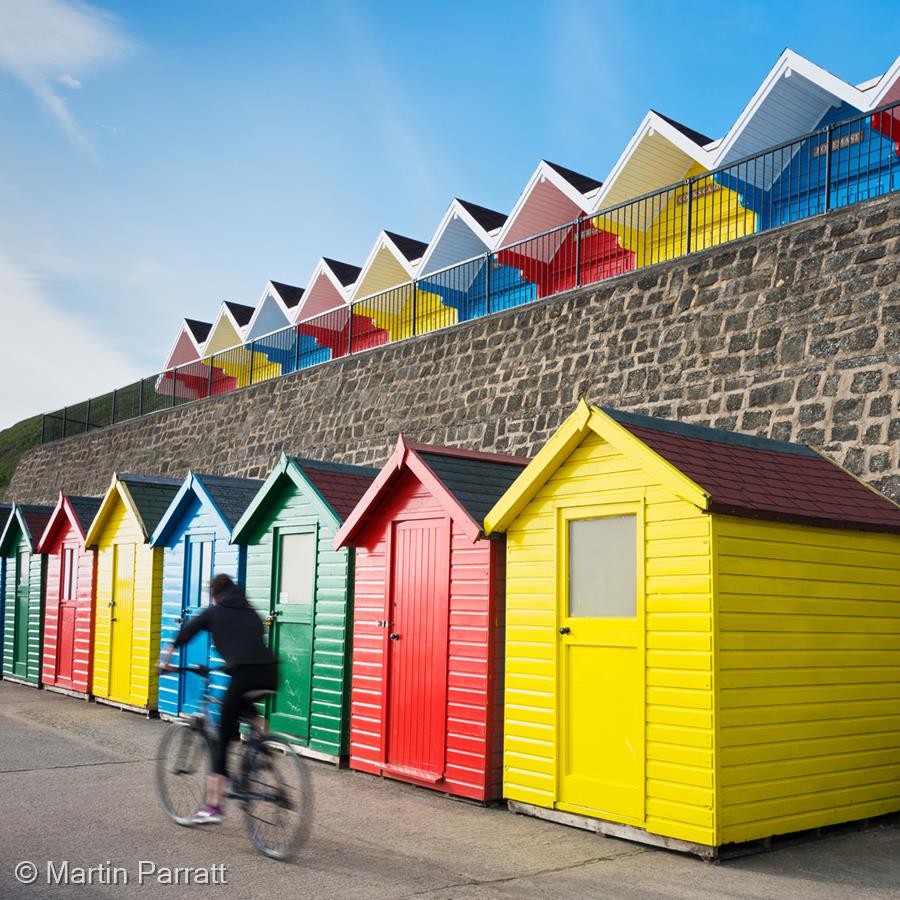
764 479
342 486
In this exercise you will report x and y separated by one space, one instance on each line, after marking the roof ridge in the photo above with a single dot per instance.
707 433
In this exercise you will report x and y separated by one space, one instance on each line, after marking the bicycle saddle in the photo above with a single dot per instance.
253 696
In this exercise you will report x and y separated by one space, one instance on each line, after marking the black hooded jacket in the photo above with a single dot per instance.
236 629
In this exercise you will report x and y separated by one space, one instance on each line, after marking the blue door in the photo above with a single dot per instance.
198 570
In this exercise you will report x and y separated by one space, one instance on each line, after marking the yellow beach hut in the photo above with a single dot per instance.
702 634
128 590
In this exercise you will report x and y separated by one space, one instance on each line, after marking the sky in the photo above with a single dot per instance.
159 157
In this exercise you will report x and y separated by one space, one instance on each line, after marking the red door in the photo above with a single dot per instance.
416 713
68 606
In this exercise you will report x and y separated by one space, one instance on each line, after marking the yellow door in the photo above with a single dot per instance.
601 668
121 622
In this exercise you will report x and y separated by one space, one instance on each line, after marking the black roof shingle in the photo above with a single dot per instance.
232 496
582 183
409 247
346 273
696 136
290 294
488 219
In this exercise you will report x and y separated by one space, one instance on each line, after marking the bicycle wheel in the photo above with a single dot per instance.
182 766
276 798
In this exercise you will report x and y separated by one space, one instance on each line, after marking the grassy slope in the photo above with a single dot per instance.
14 441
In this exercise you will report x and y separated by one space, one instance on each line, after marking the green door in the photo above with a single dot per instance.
20 635
291 627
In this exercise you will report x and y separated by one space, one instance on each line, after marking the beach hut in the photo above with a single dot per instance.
24 609
185 377
325 325
69 596
5 510
227 362
195 536
701 635
304 588
426 695
547 244
128 591
457 266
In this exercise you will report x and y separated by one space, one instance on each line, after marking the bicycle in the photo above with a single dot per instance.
272 785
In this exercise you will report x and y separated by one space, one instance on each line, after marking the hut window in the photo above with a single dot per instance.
297 567
67 575
602 567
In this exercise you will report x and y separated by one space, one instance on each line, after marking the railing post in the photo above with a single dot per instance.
174 385
578 252
350 332
43 428
414 293
488 258
250 374
141 397
87 417
690 205
210 377
828 133
65 420
112 418
296 330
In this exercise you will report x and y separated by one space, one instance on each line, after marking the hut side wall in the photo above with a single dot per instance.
808 676
679 738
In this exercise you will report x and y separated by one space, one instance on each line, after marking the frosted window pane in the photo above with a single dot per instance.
602 564
298 566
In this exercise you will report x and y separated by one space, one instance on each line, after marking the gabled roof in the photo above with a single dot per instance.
31 519
289 293
391 262
333 488
240 313
701 140
466 230
188 343
792 99
78 511
717 471
659 154
552 196
271 312
228 498
145 497
328 288
467 484
228 330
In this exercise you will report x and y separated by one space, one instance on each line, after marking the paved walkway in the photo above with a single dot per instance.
77 784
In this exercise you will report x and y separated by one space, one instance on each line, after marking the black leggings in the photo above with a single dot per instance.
263 677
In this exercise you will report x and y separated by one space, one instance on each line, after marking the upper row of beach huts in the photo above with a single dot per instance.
796 97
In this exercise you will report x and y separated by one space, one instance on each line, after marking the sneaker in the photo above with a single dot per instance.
209 815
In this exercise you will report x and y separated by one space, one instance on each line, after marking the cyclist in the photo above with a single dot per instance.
237 632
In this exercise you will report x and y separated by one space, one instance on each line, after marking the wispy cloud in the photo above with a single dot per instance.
83 364
45 43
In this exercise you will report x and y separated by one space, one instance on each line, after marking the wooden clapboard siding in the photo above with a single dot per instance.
197 518
679 737
121 528
808 633
474 681
36 579
289 506
67 536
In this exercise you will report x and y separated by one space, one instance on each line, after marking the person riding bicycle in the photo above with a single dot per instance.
238 634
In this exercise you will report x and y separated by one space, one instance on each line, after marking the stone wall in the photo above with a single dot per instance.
794 334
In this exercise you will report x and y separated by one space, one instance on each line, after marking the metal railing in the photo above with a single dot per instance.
843 163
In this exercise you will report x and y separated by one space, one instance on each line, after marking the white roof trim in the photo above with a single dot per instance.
456 210
383 242
544 172
224 311
321 270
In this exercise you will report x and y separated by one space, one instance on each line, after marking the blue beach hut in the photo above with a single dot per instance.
195 536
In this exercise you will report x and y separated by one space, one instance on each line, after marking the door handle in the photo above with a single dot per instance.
179 620
565 630
111 604
394 636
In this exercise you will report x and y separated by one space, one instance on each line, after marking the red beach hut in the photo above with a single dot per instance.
427 683
69 596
